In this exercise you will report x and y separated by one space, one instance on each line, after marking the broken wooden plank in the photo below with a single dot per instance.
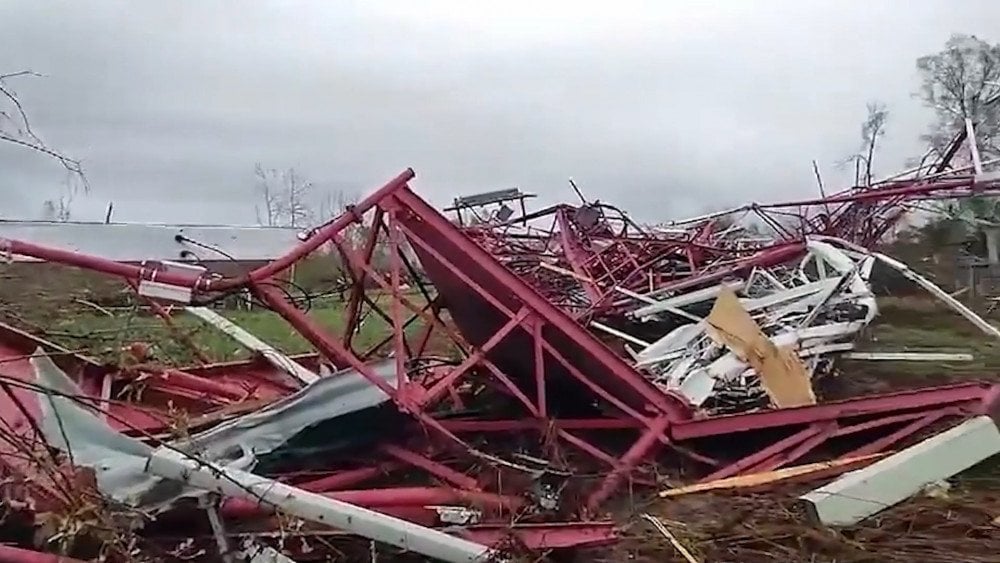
782 373
662 528
769 477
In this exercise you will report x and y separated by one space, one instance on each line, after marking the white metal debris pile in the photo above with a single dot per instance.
786 324
769 336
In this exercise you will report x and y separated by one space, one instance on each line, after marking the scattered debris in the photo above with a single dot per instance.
702 362
660 527
495 385
781 373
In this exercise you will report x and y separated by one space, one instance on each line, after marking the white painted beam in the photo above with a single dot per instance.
254 344
685 299
862 493
970 135
941 294
909 356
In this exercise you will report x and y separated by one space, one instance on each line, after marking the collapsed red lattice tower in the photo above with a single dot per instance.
559 386
592 259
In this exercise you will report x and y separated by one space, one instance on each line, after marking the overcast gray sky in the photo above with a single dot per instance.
666 108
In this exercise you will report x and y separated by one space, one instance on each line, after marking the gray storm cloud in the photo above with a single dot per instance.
667 109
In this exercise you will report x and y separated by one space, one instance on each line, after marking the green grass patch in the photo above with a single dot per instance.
104 336
922 325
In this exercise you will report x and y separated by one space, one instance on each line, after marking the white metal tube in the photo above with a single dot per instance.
624 336
941 294
910 356
970 135
254 344
312 507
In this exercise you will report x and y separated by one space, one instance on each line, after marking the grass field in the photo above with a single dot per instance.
904 324
918 324
103 335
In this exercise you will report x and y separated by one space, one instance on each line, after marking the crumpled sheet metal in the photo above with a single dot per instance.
119 461
263 431
124 466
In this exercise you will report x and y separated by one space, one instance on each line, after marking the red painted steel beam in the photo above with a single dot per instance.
432 467
904 432
347 478
973 397
315 334
913 188
616 252
826 430
476 425
766 258
316 239
425 225
166 378
641 449
748 462
256 375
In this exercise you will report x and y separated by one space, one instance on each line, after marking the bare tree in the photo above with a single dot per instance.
963 81
15 128
268 216
334 203
872 129
49 211
284 198
59 209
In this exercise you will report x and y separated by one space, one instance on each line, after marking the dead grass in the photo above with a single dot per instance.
763 527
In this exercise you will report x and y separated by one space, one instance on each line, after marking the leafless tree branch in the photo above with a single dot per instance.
22 134
871 130
285 198
12 98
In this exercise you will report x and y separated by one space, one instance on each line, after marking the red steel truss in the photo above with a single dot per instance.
530 382
593 259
